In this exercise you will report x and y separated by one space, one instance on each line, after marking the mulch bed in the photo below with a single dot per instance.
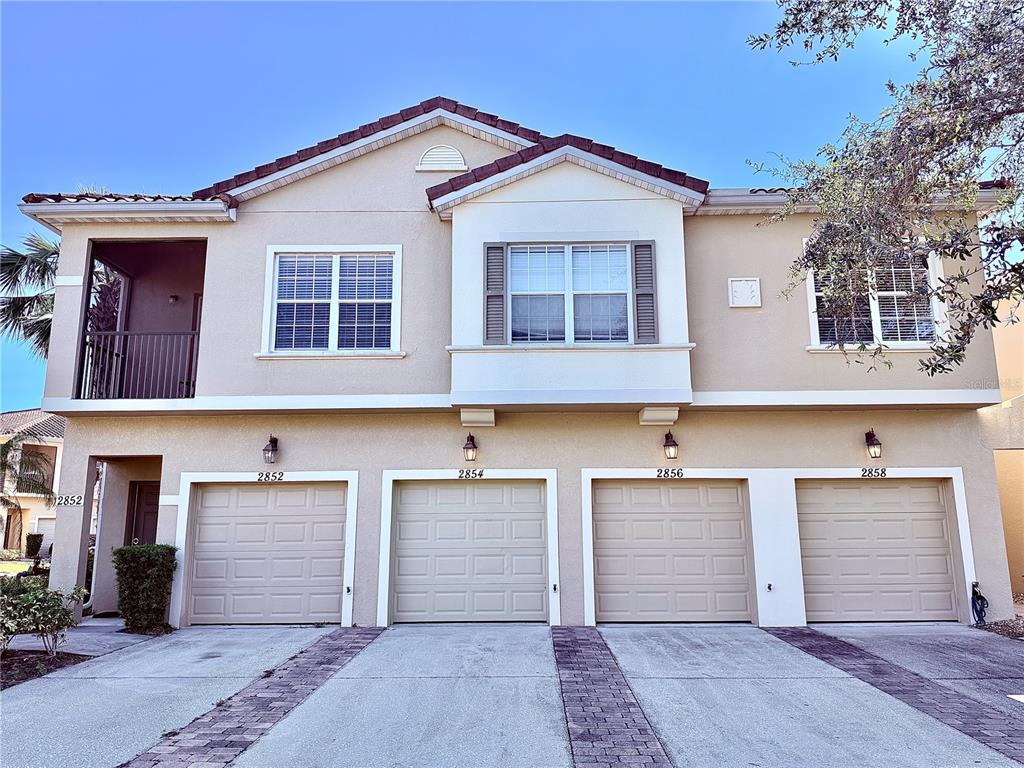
19 666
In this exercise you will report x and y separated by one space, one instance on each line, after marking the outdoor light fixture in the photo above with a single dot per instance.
469 449
270 450
671 447
873 443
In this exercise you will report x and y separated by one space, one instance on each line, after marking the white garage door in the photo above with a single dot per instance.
46 526
469 551
270 553
671 551
875 550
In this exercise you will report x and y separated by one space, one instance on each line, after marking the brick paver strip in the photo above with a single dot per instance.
216 738
607 727
992 727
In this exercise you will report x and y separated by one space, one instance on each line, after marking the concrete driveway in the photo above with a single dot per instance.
721 695
444 696
497 696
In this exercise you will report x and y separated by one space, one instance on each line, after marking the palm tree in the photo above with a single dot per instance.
26 282
23 471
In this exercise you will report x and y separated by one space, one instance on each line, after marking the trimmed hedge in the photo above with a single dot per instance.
144 576
33 541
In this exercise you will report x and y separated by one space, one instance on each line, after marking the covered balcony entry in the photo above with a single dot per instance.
141 330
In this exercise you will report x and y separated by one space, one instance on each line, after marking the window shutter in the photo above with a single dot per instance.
645 294
495 327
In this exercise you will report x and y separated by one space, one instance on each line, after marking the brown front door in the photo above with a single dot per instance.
143 508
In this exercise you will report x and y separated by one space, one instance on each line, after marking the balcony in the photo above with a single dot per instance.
124 364
140 339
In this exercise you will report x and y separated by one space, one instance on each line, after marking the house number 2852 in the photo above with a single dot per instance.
269 477
70 500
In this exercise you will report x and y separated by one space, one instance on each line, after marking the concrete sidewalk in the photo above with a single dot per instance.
108 709
93 637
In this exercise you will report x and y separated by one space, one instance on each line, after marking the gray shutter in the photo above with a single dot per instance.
495 326
645 292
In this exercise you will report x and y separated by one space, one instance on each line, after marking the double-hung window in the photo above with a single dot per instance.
569 293
334 302
894 312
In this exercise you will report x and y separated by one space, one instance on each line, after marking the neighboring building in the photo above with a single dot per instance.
364 303
1006 437
33 515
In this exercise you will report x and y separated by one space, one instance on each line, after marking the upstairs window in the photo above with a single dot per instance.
334 302
895 313
569 293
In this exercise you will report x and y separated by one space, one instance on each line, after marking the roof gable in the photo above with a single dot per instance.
587 153
366 138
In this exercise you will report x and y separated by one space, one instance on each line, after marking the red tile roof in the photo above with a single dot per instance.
34 422
381 124
114 197
546 146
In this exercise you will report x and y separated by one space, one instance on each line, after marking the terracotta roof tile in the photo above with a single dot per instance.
114 197
549 145
34 422
363 131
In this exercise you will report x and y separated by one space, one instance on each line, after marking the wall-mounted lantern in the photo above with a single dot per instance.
270 450
671 447
873 443
469 449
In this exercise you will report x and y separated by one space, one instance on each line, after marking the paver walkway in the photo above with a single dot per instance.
217 737
607 727
988 725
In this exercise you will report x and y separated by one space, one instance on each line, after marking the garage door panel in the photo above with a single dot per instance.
673 551
268 554
471 551
875 551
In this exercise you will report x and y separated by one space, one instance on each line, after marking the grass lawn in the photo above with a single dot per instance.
12 566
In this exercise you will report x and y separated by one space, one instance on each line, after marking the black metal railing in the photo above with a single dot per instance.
124 364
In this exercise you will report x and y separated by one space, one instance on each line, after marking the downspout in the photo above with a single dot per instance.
87 605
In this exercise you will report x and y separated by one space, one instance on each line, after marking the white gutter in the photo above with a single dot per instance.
51 215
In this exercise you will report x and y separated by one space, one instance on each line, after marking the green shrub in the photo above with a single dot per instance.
33 541
28 607
10 554
144 576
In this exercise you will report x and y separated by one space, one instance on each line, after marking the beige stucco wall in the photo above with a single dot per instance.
1009 350
566 442
765 348
376 199
1010 473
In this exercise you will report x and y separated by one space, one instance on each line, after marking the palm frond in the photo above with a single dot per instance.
33 267
29 319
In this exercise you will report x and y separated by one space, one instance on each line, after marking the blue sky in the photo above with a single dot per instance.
169 97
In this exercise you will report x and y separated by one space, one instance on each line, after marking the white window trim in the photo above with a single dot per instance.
569 294
267 351
935 273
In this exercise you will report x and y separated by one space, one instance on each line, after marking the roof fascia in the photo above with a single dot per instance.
52 215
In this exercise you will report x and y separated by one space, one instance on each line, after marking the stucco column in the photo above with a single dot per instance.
775 538
71 537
